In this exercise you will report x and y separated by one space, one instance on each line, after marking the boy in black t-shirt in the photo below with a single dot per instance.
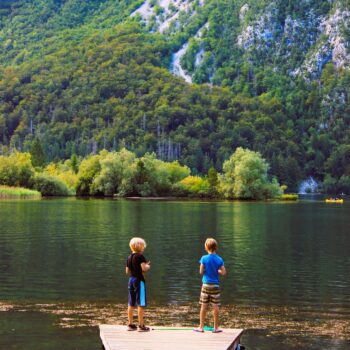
136 266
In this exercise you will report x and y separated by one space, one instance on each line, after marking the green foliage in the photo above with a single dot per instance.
123 174
74 163
344 184
338 164
50 186
89 168
156 178
330 185
213 182
16 170
7 192
335 186
63 172
193 186
84 76
37 154
245 176
288 197
116 173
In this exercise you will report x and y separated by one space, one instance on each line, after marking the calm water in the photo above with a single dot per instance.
62 265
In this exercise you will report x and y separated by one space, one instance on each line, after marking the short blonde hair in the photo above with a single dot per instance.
211 245
137 244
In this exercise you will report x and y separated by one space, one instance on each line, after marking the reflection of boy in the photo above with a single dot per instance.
211 266
136 265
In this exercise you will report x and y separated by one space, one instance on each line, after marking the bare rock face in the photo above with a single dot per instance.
164 13
260 33
331 45
300 40
333 27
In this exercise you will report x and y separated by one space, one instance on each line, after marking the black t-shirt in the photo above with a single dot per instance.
134 264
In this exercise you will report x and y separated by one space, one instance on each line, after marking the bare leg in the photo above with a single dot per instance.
140 313
216 316
202 315
130 314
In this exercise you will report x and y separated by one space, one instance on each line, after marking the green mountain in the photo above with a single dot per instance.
188 80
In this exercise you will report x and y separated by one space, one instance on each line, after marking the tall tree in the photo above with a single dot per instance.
37 153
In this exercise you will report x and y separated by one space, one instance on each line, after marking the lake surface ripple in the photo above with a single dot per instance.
62 265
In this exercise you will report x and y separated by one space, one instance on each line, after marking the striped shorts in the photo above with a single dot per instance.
210 294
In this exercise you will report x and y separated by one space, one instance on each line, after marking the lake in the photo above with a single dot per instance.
62 269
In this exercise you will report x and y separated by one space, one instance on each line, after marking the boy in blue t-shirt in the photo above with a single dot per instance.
211 266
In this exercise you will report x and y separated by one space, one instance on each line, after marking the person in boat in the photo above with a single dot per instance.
136 266
211 266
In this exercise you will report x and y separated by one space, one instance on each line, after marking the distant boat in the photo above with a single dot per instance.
334 200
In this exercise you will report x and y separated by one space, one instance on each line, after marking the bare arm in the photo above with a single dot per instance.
127 271
145 266
222 270
201 269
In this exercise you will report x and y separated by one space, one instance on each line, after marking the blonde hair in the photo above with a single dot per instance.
211 245
137 244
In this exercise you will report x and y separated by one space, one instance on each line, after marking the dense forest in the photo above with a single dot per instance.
123 174
82 76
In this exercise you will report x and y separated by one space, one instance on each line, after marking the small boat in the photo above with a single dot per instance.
334 200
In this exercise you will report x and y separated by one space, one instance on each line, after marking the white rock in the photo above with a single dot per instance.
243 11
175 66
332 26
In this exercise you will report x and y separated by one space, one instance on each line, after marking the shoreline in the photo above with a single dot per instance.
282 320
7 192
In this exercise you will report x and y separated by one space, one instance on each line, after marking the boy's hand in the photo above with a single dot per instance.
222 271
146 266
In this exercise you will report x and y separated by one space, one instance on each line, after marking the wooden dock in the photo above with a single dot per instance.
160 338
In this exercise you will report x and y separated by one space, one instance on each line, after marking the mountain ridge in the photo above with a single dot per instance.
100 78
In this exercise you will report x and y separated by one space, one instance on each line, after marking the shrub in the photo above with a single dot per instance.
63 172
288 197
193 186
155 177
16 170
50 186
88 170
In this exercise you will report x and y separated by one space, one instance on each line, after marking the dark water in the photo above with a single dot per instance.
62 265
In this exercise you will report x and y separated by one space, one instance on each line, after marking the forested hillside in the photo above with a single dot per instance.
271 76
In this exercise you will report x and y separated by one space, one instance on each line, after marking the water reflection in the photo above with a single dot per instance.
278 256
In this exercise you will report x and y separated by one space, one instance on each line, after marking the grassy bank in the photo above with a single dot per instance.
288 197
7 192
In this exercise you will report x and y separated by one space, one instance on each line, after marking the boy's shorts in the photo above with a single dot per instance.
210 294
136 292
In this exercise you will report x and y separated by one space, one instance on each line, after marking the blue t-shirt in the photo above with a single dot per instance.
212 263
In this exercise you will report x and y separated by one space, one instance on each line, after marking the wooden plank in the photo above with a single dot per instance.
116 337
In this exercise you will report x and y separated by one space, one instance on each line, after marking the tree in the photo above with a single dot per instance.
37 153
338 163
213 181
116 174
88 170
16 170
245 176
74 163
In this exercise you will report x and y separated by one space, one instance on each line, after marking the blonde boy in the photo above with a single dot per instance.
211 266
136 266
